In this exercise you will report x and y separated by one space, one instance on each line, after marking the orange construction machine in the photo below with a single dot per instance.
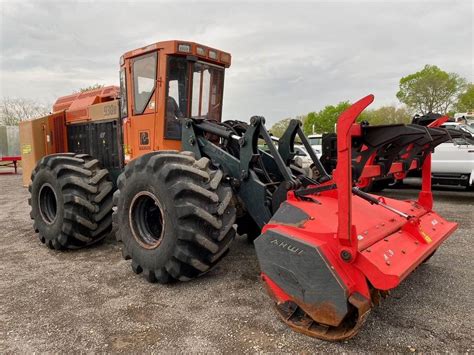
154 158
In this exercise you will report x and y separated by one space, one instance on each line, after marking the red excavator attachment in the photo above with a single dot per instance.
331 251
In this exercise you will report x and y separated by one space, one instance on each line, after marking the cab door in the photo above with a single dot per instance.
144 93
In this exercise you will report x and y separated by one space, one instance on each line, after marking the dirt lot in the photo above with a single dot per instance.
89 300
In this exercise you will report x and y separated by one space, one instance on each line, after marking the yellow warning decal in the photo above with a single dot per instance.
126 149
26 149
426 237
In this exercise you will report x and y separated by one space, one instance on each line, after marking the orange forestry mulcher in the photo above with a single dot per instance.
179 183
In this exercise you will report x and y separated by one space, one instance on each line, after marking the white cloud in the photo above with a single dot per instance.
289 58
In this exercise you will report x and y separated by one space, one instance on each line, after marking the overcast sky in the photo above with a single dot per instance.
289 58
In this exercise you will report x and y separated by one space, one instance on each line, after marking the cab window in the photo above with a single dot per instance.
315 140
194 89
176 96
123 94
207 91
144 81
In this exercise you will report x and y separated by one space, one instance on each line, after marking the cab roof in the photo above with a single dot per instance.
181 47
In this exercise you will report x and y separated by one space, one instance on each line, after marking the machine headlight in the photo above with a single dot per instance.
184 47
225 57
213 55
200 51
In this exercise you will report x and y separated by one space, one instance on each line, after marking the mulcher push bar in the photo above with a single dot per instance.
356 191
375 201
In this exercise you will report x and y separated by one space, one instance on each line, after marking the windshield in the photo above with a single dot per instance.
207 91
144 80
467 128
194 89
315 140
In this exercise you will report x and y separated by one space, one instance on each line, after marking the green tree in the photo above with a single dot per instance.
430 90
386 115
278 128
91 87
466 100
324 120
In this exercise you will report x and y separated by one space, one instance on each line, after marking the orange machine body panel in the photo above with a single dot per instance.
41 137
151 123
73 101
76 105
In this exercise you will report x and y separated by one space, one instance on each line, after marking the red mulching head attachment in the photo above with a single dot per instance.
331 251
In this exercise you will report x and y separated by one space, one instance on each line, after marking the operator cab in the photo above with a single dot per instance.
164 82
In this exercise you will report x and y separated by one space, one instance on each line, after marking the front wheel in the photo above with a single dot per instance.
174 215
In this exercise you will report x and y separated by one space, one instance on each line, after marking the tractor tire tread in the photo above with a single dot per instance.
205 217
86 190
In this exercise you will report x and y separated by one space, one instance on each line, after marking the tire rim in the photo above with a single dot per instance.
146 220
48 204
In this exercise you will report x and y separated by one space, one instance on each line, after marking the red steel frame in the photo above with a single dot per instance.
346 129
425 197
370 170
366 247
415 228
390 247
12 160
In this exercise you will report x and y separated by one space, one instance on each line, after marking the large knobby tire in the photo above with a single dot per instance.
174 215
71 199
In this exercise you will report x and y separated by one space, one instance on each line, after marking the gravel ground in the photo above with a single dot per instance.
89 300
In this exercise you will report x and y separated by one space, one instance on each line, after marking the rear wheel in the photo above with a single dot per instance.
174 215
71 200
